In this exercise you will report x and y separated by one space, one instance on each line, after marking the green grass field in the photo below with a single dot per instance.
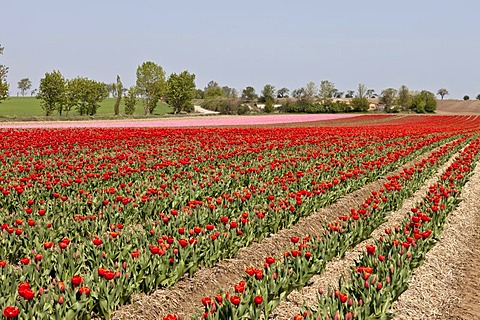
30 108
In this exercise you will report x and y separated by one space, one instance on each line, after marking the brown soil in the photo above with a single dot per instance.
341 266
185 297
451 107
446 286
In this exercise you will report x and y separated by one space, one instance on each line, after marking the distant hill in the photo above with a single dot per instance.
458 107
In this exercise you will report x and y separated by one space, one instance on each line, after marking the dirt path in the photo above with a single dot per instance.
447 285
341 266
185 297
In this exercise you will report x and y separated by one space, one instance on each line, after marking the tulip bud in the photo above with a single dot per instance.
61 300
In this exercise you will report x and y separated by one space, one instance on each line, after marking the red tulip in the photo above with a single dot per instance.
77 280
235 300
183 243
258 299
84 290
370 249
11 312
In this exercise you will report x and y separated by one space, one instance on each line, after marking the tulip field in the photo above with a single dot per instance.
91 216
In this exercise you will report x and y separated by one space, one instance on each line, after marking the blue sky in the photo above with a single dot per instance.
422 44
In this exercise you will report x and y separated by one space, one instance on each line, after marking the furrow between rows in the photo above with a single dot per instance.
446 286
341 266
184 298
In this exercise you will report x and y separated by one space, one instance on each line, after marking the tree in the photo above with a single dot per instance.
282 93
349 94
339 94
268 93
199 94
4 87
269 107
403 98
130 100
248 94
465 97
150 85
360 102
118 93
180 90
371 93
85 95
387 99
52 92
424 101
213 90
229 92
298 93
24 85
478 96
327 91
310 91
442 92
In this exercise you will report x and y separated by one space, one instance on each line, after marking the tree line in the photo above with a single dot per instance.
84 95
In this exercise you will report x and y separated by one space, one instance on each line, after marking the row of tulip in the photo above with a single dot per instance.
162 265
380 276
263 289
91 216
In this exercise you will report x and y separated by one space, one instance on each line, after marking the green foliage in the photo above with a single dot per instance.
225 105
213 90
85 95
199 94
3 80
360 104
387 99
268 93
243 109
298 93
130 100
327 91
423 101
150 85
180 90
403 98
248 94
307 106
24 85
118 94
52 92
229 92
465 97
269 107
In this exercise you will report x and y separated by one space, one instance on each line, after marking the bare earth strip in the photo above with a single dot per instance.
185 297
447 285
341 266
